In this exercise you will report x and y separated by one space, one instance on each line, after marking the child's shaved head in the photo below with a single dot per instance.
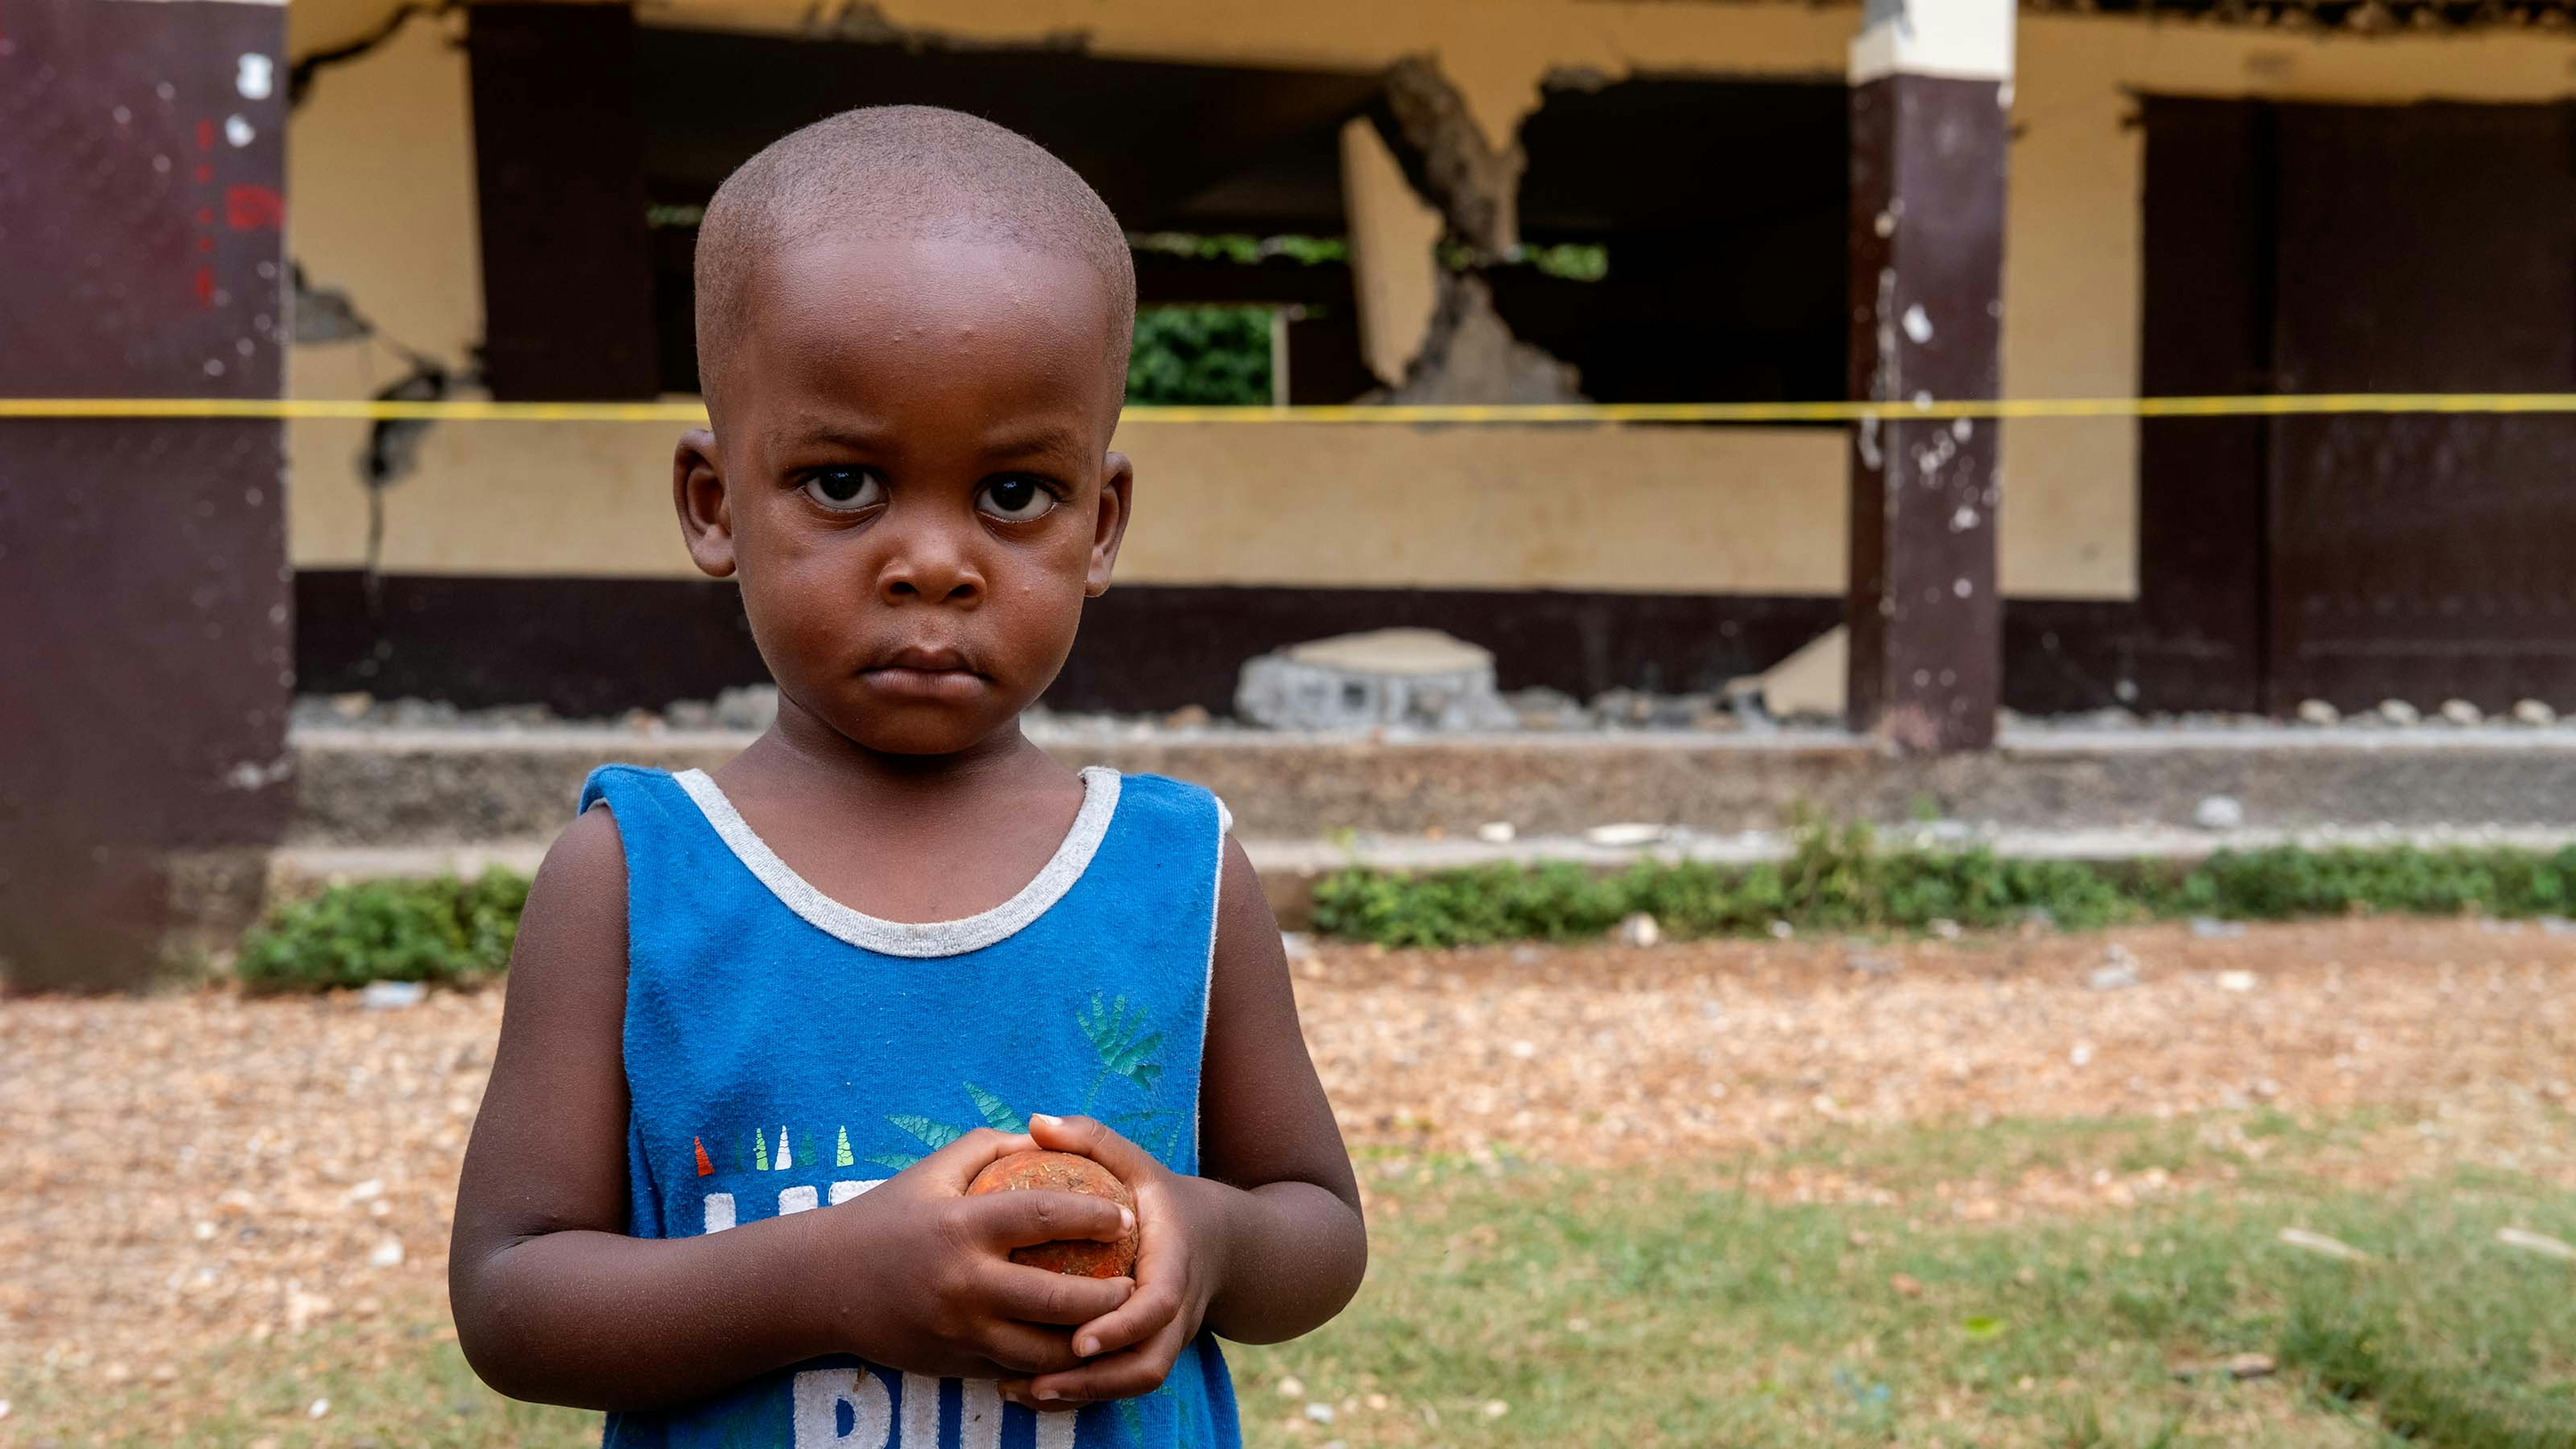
900 173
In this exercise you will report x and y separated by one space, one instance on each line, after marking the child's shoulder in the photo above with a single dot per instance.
1165 799
611 783
649 801
590 851
624 810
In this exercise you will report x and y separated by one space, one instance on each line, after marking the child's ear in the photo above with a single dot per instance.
698 491
1109 524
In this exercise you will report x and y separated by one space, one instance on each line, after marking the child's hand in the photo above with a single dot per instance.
1132 1347
937 1293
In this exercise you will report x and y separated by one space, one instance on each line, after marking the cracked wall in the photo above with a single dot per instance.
382 207
381 225
1468 353
381 177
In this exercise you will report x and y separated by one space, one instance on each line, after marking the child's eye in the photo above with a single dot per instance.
1015 500
845 490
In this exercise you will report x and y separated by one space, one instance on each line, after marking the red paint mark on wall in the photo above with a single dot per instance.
254 208
205 173
205 286
205 135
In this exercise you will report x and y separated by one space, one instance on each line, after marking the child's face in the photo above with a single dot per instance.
913 482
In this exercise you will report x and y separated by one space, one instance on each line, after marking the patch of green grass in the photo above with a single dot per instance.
1915 1157
1601 1310
1521 1306
1842 880
1907 1159
446 930
410 1388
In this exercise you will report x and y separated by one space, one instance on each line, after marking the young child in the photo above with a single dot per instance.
717 1187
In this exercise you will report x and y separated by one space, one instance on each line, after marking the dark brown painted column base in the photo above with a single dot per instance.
144 666
1927 232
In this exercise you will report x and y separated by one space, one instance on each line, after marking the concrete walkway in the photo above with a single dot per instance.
463 787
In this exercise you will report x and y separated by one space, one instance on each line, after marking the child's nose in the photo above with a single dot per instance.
930 563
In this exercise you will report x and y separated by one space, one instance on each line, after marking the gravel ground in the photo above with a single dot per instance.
186 1171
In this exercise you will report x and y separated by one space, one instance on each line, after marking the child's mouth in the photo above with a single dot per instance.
924 673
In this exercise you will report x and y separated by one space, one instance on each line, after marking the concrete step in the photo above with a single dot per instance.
412 788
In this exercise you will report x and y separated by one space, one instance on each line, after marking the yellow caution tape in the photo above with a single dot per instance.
2005 409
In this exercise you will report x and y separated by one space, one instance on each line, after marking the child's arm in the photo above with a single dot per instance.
1268 1243
554 1303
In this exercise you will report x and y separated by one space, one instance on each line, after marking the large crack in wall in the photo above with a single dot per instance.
1448 159
328 318
1469 354
303 68
325 316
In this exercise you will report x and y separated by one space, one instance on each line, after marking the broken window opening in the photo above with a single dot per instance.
1200 163
1469 353
1717 209
1281 307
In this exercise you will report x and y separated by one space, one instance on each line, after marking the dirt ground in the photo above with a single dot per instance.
193 1169
1612 1056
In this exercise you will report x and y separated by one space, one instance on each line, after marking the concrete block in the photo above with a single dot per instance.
1409 677
1813 682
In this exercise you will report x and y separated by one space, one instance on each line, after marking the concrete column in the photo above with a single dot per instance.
1931 89
145 667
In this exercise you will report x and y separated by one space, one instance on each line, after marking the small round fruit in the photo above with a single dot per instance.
1065 1172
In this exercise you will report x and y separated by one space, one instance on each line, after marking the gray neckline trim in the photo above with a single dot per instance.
908 938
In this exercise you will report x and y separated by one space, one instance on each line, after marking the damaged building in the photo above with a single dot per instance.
1341 211
1527 201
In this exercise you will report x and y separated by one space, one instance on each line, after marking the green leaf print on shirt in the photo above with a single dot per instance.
997 1115
1125 1048
933 1135
1118 1037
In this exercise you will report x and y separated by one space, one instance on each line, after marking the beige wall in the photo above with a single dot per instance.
1320 504
382 201
380 176
1616 509
380 188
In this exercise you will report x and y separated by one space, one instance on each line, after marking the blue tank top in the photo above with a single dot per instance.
785 1053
